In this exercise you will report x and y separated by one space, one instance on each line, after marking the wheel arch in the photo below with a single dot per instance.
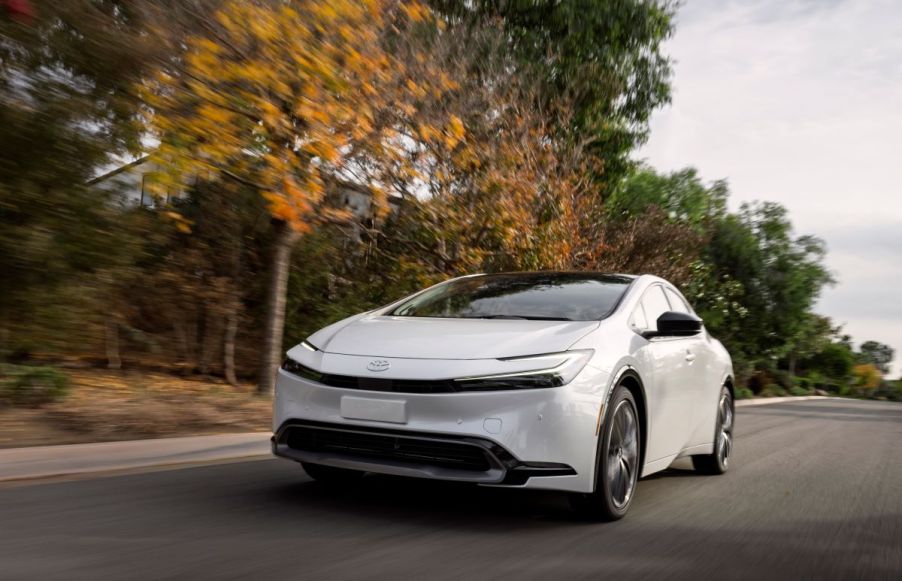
729 383
630 379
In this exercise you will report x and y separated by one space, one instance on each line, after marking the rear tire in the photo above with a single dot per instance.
718 461
330 474
617 462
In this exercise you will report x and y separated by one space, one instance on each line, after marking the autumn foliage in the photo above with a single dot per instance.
281 95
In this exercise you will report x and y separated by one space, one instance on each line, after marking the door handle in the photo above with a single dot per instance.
690 356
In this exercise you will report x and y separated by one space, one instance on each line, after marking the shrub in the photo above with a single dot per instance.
744 393
783 379
773 390
799 390
32 386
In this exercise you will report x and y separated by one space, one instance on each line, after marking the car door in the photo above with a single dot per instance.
702 377
667 375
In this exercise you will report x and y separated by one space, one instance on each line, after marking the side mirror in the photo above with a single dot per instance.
673 324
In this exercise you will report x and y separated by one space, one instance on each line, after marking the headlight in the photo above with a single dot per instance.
561 369
292 366
309 346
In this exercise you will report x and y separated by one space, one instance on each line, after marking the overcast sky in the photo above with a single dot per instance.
800 102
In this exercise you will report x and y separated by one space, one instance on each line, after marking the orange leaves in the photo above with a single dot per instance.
214 115
181 223
455 132
284 92
867 376
415 11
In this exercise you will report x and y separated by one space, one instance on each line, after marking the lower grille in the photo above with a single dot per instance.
386 446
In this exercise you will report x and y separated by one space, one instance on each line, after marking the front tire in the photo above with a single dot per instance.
617 462
718 461
330 474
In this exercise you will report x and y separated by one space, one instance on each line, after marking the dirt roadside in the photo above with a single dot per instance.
105 406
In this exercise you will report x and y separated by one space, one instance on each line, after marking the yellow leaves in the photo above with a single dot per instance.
415 11
181 223
323 150
407 109
336 214
455 132
867 376
418 91
213 114
283 90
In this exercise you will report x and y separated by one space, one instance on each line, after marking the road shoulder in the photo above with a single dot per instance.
55 461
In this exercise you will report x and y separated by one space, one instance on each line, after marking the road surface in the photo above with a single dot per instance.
815 493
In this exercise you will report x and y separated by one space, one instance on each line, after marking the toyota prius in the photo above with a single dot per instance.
572 381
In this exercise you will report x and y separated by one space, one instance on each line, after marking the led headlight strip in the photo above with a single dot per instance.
555 376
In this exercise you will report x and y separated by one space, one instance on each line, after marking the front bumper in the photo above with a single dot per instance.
407 453
536 438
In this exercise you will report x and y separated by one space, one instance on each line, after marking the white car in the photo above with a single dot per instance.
572 381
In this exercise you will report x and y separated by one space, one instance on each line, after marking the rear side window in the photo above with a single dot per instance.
655 304
676 302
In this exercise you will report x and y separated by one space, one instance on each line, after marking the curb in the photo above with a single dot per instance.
41 462
769 400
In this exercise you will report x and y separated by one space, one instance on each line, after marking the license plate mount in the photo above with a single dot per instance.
375 410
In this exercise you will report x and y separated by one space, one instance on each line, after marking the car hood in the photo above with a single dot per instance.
434 338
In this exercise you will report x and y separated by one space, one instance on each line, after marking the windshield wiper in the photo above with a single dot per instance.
526 317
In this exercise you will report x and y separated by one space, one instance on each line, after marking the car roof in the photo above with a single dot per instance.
587 273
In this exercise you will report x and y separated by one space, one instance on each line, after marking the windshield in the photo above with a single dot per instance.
554 296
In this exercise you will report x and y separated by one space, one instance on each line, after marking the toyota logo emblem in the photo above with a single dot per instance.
378 365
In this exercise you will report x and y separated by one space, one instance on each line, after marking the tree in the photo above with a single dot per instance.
878 354
681 195
67 110
813 334
279 97
603 55
781 277
867 377
62 111
835 360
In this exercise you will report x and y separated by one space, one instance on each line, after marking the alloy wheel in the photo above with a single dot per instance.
725 437
623 454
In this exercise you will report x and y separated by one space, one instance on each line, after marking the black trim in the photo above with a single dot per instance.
427 386
411 453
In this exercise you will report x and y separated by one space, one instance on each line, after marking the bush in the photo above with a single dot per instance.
744 393
772 390
32 386
799 390
783 379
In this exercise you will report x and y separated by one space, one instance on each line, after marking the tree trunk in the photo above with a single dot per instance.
112 344
792 363
181 337
228 346
202 331
275 307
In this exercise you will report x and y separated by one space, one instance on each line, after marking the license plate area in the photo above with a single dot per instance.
375 410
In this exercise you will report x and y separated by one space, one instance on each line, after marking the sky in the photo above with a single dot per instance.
800 102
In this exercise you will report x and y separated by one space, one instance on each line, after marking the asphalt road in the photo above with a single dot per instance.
815 493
